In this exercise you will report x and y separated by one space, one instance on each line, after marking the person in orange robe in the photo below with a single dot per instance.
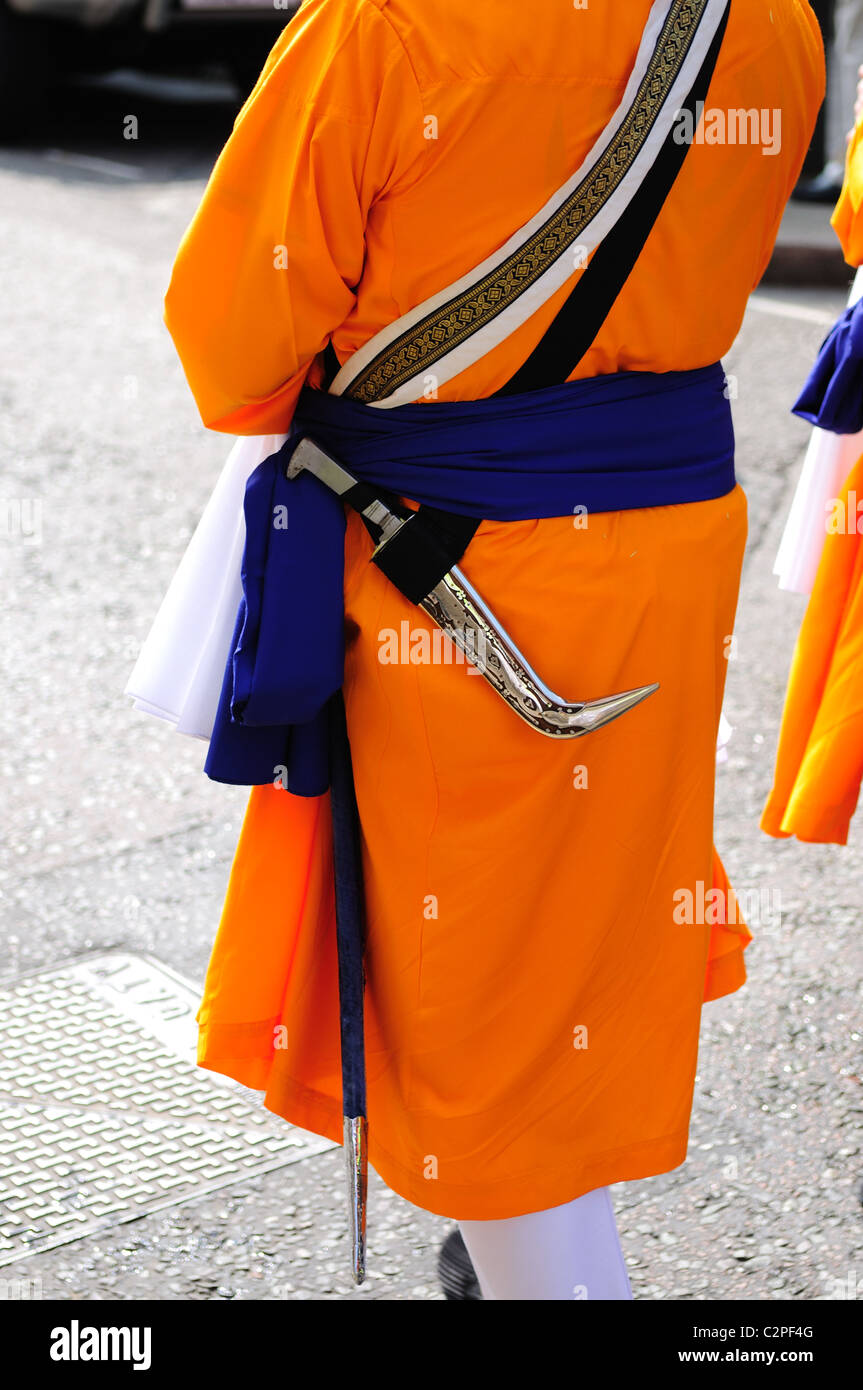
819 760
538 947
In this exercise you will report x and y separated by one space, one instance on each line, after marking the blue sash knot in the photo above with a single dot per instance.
833 395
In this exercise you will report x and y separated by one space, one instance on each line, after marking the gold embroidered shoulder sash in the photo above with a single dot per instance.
454 328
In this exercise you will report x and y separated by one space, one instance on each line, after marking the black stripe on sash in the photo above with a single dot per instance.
332 365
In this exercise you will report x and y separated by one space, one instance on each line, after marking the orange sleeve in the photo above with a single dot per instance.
847 219
265 271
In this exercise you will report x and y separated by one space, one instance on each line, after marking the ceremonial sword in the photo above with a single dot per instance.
460 611
451 601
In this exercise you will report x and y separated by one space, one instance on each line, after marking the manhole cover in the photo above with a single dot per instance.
104 1115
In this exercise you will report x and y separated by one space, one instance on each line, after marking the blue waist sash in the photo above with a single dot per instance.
608 443
833 395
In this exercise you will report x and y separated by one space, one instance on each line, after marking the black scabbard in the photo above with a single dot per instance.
350 938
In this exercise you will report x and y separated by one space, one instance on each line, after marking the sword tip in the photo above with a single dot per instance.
356 1142
597 713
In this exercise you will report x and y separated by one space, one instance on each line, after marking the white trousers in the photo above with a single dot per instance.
565 1253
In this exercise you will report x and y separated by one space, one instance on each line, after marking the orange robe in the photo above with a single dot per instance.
819 761
534 987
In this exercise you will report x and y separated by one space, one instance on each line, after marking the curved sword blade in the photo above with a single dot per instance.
456 606
461 612
595 714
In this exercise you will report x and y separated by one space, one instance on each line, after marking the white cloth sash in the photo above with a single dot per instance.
178 674
829 459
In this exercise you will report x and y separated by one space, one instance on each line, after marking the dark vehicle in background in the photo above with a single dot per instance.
43 41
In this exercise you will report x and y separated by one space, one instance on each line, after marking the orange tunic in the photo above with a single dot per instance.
534 987
819 761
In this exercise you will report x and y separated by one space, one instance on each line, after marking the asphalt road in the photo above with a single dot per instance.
111 836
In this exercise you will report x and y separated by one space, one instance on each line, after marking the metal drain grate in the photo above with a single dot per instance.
104 1115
